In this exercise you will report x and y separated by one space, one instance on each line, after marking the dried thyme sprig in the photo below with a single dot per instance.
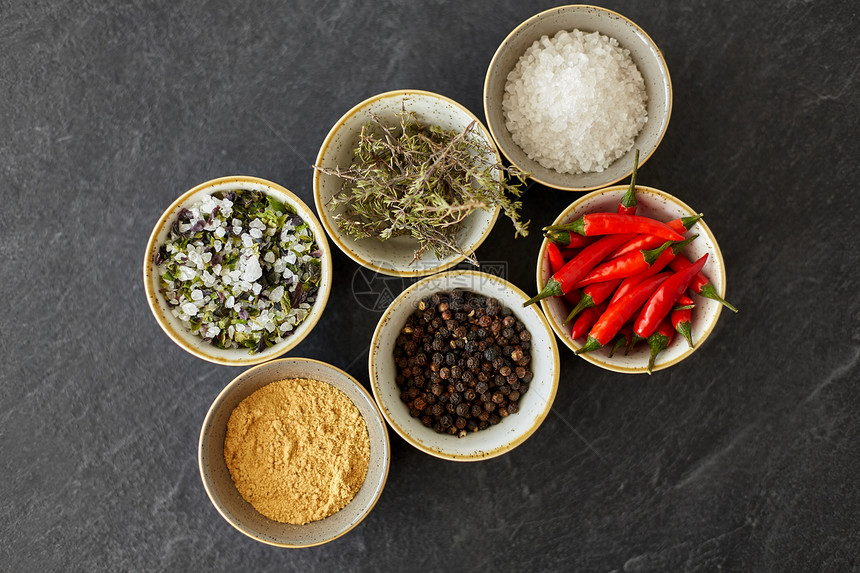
423 182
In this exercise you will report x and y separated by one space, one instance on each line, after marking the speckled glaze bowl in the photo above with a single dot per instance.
394 256
222 491
172 326
645 55
511 431
664 207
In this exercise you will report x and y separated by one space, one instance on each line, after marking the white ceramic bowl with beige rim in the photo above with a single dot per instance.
394 256
511 431
222 490
161 309
644 53
663 207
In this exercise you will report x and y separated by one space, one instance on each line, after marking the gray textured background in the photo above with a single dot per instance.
742 458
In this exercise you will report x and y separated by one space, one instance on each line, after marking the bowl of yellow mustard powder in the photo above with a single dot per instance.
294 453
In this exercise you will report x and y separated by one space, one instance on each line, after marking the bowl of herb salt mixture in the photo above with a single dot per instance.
294 453
237 271
572 92
409 183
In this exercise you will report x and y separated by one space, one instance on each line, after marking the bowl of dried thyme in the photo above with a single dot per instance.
409 183
294 453
237 270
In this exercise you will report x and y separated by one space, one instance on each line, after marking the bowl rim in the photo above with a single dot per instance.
316 311
704 229
555 375
219 398
335 233
571 7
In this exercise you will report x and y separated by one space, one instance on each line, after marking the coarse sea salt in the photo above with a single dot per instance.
575 102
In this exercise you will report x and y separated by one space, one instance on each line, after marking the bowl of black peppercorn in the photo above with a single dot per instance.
460 369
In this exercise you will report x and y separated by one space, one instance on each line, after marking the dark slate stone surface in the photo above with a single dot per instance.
742 458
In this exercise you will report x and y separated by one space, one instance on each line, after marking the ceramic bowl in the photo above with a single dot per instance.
497 439
174 328
664 207
643 52
222 491
394 256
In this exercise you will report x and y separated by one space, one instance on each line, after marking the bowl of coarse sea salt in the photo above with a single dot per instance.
571 94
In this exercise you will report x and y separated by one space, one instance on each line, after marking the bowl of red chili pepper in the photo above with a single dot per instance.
631 279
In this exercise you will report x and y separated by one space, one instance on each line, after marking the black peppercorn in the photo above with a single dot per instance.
462 362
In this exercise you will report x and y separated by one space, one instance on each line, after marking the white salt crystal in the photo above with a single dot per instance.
253 270
576 102
276 293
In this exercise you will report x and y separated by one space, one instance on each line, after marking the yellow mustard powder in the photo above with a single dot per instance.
297 450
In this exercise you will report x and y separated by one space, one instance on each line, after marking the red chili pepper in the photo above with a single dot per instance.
645 242
586 320
662 300
659 340
624 266
613 224
566 278
662 261
569 253
682 319
618 313
700 284
628 203
573 296
566 239
593 295
553 253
